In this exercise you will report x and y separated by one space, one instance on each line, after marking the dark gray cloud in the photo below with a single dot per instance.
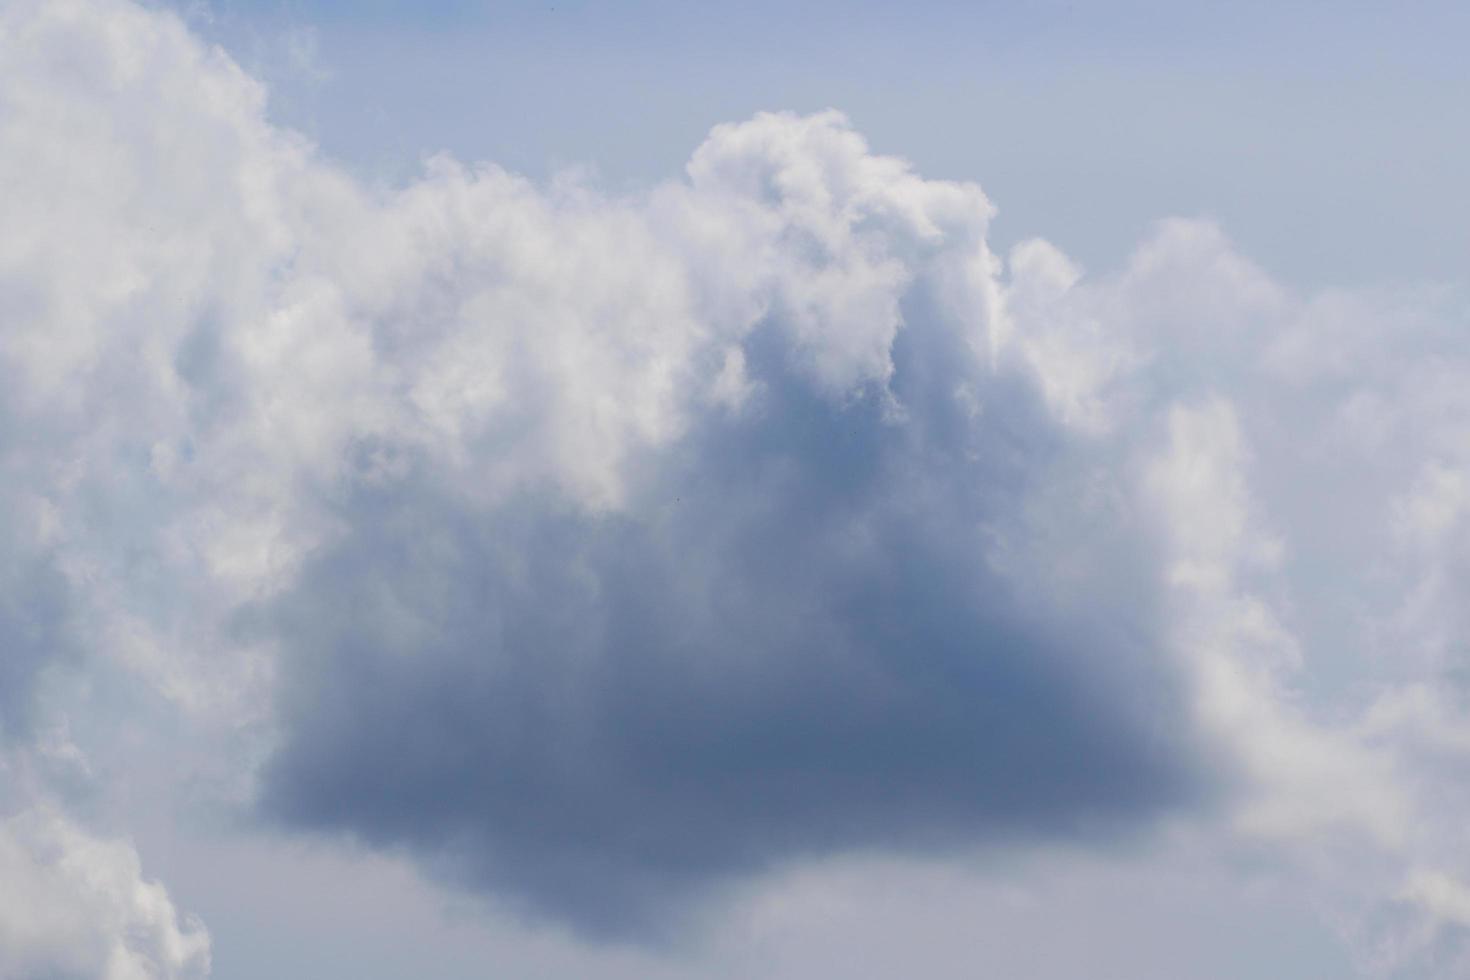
793 642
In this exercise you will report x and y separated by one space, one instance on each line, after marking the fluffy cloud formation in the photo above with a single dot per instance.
600 551
784 641
668 566
77 906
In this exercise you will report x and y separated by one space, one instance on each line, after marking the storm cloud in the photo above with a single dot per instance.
792 640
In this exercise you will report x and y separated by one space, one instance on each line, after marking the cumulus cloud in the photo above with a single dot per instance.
717 555
1298 458
76 906
787 640
602 550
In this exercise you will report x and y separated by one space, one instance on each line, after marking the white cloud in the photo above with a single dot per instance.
74 905
212 338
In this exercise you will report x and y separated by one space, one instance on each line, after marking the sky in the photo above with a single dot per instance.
1307 129
575 490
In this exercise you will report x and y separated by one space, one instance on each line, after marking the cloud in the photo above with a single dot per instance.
676 548
603 551
34 601
786 641
74 905
683 513
1297 454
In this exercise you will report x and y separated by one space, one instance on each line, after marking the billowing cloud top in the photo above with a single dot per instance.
601 552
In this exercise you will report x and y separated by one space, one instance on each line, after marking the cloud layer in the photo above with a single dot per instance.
600 551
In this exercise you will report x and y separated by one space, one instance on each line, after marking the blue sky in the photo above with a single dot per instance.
652 490
1303 128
